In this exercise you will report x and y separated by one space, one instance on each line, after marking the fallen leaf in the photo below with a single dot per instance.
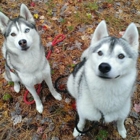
67 100
16 119
137 107
5 113
74 105
137 124
45 27
134 114
121 33
32 4
7 97
51 126
1 104
85 37
54 138
54 18
41 17
78 44
40 130
129 121
36 16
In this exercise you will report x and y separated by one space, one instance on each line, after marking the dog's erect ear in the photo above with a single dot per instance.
100 32
3 22
25 13
132 36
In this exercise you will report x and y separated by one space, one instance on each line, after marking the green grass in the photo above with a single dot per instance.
91 6
70 28
103 134
1 9
109 1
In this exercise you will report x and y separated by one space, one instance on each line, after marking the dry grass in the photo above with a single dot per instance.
57 120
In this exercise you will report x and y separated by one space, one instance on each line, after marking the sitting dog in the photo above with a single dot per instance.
24 55
103 82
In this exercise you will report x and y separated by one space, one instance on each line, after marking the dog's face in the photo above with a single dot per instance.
19 32
112 57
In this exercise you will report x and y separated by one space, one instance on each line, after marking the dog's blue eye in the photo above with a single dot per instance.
121 56
100 53
13 34
27 30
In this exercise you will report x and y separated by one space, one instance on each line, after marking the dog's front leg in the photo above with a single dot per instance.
16 80
80 126
121 128
39 105
55 94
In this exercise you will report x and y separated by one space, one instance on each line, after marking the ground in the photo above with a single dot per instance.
77 20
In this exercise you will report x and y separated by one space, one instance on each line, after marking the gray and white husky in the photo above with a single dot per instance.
103 82
24 54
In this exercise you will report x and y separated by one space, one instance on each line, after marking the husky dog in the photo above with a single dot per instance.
24 55
103 82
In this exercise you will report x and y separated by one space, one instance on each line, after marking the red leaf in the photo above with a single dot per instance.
32 4
74 105
137 107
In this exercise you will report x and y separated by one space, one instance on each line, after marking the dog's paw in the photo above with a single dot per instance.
76 133
39 108
58 96
16 87
123 133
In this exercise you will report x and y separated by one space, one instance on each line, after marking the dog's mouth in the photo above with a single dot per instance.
25 48
106 77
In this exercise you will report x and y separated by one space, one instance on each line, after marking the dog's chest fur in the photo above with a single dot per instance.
29 61
30 65
106 96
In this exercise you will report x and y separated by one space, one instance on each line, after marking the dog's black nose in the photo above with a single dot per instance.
22 43
104 67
